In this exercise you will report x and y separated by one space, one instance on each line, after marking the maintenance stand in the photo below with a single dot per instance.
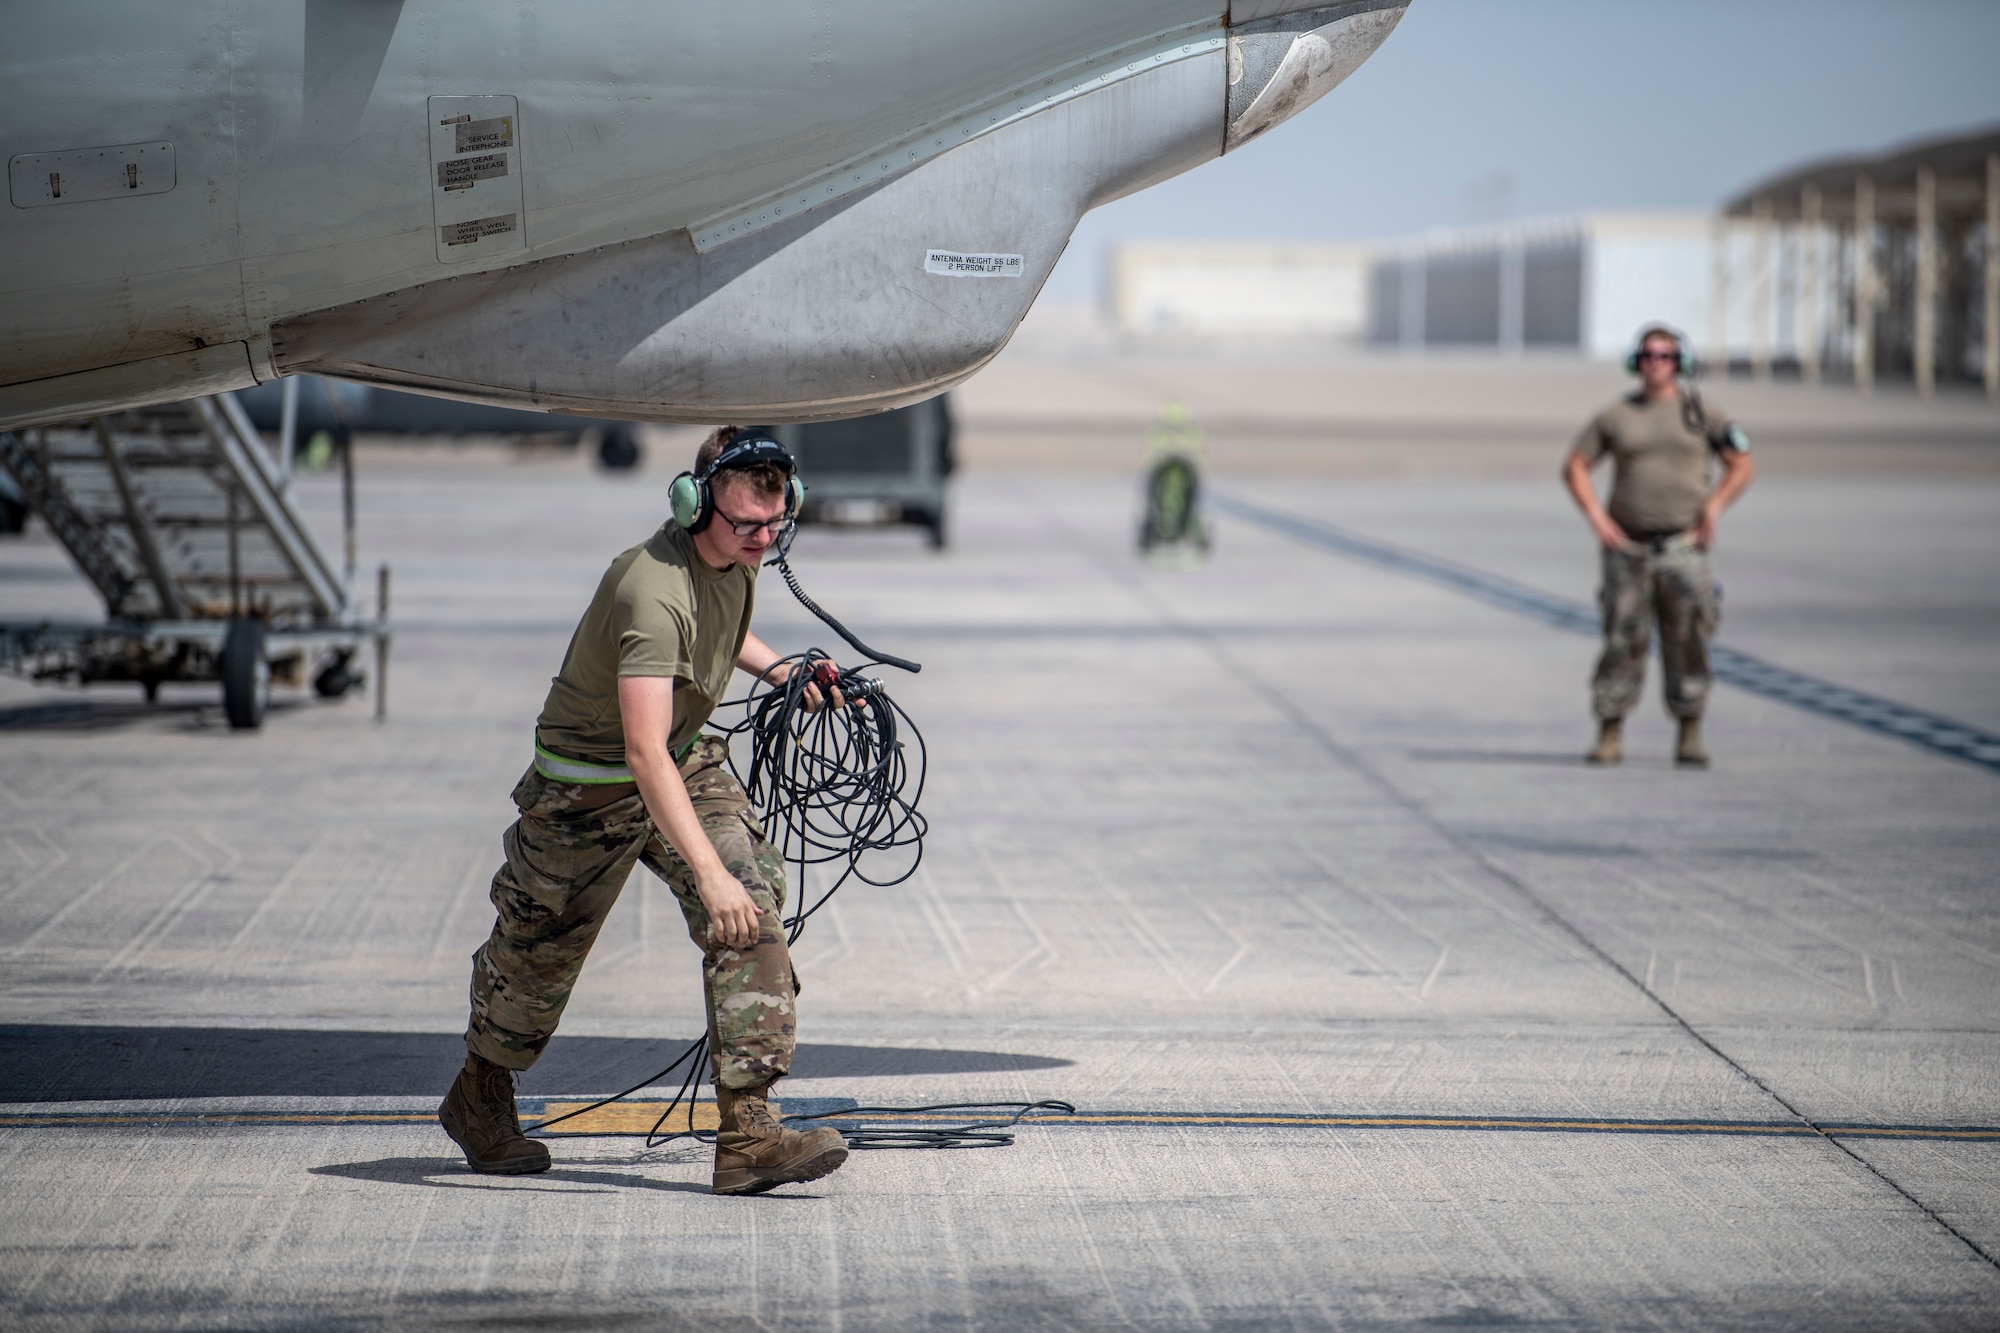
181 518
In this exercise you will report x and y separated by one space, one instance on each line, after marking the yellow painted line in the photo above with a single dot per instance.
627 1118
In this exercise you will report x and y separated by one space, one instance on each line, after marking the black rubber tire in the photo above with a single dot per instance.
337 677
246 676
618 448
13 515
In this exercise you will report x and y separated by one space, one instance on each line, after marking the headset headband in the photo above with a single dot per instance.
747 449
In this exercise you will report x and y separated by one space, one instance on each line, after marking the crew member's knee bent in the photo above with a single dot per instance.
753 996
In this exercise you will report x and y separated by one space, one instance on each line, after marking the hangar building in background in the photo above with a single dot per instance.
1854 270
1205 290
1867 267
1577 285
1565 285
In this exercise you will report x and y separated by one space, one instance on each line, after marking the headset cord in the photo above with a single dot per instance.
805 600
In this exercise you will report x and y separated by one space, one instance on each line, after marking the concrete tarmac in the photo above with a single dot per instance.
1378 1007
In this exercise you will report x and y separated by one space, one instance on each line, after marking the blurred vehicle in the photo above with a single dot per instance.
887 467
338 408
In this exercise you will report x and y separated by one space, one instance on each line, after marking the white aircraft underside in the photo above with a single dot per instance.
675 211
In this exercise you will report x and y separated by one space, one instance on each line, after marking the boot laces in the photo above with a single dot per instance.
755 1113
496 1089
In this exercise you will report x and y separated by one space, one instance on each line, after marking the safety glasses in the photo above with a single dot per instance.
774 525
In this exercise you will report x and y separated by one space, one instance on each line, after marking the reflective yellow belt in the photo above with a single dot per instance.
556 767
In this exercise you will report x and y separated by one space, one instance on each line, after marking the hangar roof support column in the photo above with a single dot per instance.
1811 260
1718 296
1864 282
1991 329
1923 320
1760 288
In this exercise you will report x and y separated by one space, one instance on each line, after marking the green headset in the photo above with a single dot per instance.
692 494
1684 365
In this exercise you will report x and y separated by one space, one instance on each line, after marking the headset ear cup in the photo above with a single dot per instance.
1631 363
795 496
687 498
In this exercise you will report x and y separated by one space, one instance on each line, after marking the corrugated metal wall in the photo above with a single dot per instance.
1518 289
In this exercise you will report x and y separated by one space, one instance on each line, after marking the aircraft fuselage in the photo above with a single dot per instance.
672 211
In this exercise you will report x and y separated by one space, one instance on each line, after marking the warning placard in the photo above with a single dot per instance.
478 206
462 173
476 136
964 264
465 233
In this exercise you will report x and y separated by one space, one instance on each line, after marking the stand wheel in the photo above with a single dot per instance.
338 676
246 676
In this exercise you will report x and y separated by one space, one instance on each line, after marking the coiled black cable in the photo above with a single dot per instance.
832 785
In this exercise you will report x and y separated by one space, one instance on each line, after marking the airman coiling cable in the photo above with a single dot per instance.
834 785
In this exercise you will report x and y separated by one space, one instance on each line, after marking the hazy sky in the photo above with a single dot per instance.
1476 109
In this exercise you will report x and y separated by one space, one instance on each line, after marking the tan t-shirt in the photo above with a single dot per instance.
660 610
1659 455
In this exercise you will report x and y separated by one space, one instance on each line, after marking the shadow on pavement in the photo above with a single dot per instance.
452 1173
1563 760
77 714
58 1063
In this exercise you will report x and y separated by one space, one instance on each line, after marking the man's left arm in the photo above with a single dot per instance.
757 659
1738 470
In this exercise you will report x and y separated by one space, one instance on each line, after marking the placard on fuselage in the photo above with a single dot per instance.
476 196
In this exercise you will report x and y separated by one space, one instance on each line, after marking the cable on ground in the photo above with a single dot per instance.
988 1133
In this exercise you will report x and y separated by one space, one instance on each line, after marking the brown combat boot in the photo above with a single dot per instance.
479 1115
1610 747
1690 753
754 1153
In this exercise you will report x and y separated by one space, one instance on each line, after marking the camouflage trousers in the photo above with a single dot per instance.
568 855
1669 584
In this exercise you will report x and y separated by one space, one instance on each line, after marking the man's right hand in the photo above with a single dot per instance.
1576 476
732 916
1610 536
